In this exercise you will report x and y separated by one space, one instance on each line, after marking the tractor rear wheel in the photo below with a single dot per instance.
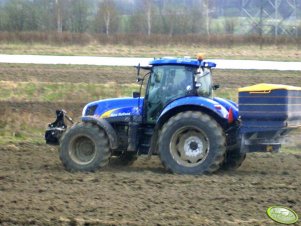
233 159
192 143
84 147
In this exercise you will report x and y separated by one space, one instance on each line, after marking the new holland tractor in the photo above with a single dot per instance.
178 119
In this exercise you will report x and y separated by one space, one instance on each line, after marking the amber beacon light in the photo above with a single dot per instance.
200 56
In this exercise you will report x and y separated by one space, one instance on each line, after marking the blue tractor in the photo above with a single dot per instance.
178 119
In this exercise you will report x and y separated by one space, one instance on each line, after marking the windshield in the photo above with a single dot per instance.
166 84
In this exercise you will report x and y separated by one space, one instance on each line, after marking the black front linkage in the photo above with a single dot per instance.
56 129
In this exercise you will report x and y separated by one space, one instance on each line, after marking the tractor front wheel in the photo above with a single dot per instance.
192 143
84 147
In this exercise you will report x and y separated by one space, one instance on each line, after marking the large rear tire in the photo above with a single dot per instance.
191 143
84 147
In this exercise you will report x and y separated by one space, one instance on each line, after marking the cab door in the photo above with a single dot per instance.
167 83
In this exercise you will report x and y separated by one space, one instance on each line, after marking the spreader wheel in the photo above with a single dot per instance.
233 159
125 159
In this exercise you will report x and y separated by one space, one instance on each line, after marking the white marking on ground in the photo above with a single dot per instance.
134 61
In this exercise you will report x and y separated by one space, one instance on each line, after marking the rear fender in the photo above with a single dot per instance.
106 126
228 104
209 106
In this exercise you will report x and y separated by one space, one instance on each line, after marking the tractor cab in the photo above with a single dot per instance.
174 78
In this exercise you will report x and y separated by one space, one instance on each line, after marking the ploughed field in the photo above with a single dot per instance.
35 188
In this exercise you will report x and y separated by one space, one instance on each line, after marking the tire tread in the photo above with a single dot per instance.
102 141
212 124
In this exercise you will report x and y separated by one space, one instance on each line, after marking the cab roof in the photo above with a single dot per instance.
181 61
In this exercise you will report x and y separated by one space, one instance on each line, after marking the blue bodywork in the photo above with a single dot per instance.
125 107
121 107
114 107
207 103
228 104
182 61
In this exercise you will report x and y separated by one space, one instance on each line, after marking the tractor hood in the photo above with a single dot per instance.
117 107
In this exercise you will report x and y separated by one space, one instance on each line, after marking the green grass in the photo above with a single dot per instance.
291 150
76 92
30 127
62 92
82 84
227 93
277 53
24 133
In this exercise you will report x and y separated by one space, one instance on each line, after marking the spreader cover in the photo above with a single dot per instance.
270 105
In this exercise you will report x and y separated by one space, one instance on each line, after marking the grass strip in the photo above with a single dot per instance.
250 52
62 92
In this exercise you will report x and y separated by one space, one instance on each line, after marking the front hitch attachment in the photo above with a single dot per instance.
56 129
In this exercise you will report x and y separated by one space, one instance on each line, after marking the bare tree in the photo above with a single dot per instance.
261 25
207 18
196 15
79 15
170 18
59 23
107 10
148 10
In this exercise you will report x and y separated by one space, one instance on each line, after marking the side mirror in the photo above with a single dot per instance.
136 94
215 87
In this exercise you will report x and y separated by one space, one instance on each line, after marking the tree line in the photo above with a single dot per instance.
106 16
171 17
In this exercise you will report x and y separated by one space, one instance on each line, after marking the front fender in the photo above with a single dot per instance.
106 126
209 104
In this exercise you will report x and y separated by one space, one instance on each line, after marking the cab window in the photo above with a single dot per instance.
166 84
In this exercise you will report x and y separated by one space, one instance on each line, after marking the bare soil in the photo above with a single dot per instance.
35 189
127 75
